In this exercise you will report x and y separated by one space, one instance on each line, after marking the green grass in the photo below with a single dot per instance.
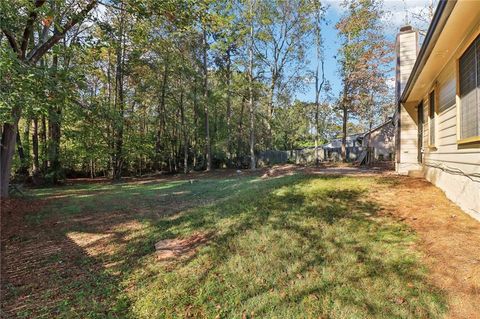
290 247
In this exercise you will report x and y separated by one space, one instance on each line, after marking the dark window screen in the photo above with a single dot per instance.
470 91
431 114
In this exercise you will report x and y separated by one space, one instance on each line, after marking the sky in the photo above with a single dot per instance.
395 16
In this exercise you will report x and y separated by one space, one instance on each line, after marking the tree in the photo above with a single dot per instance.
148 86
319 80
251 102
294 125
362 58
420 17
281 42
28 50
119 104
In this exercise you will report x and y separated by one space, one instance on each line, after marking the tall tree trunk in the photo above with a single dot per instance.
184 133
208 148
250 94
92 168
23 169
319 15
161 116
120 102
344 132
195 125
229 106
43 137
240 133
54 119
111 123
26 144
271 94
36 161
9 132
318 91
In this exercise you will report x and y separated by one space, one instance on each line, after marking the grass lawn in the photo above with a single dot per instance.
298 246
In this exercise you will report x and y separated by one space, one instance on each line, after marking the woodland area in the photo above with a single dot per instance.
127 87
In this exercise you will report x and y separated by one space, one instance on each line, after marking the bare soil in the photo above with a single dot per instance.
179 247
449 240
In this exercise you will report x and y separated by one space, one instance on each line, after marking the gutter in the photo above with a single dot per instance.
442 13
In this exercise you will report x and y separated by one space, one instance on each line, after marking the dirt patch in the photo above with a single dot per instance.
281 170
177 248
31 256
449 239
350 170
40 259
13 211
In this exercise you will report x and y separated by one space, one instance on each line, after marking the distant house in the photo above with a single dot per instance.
438 93
381 140
333 150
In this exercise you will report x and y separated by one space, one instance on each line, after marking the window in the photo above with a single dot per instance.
469 78
431 115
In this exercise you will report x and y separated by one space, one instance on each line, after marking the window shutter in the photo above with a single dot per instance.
431 114
469 91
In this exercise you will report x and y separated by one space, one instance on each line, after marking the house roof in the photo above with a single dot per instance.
377 127
337 143
442 13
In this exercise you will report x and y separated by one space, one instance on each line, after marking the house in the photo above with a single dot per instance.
333 150
382 140
438 93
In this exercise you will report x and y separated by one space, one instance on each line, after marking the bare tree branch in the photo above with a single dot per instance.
34 56
11 39
29 26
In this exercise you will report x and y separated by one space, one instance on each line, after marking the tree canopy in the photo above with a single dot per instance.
127 87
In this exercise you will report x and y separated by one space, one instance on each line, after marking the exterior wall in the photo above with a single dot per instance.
406 50
406 117
408 140
453 167
382 140
447 163
459 189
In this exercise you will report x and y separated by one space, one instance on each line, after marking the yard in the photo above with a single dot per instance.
289 243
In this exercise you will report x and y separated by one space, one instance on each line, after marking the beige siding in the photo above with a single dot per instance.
407 52
408 139
447 151
447 163
406 49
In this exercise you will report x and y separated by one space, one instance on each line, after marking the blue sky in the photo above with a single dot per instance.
397 13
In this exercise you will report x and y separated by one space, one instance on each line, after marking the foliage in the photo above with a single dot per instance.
138 87
363 56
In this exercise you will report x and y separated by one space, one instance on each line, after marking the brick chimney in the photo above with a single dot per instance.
406 49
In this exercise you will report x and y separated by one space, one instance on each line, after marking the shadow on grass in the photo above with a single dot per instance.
285 247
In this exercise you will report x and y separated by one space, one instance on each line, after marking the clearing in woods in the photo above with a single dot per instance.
284 243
